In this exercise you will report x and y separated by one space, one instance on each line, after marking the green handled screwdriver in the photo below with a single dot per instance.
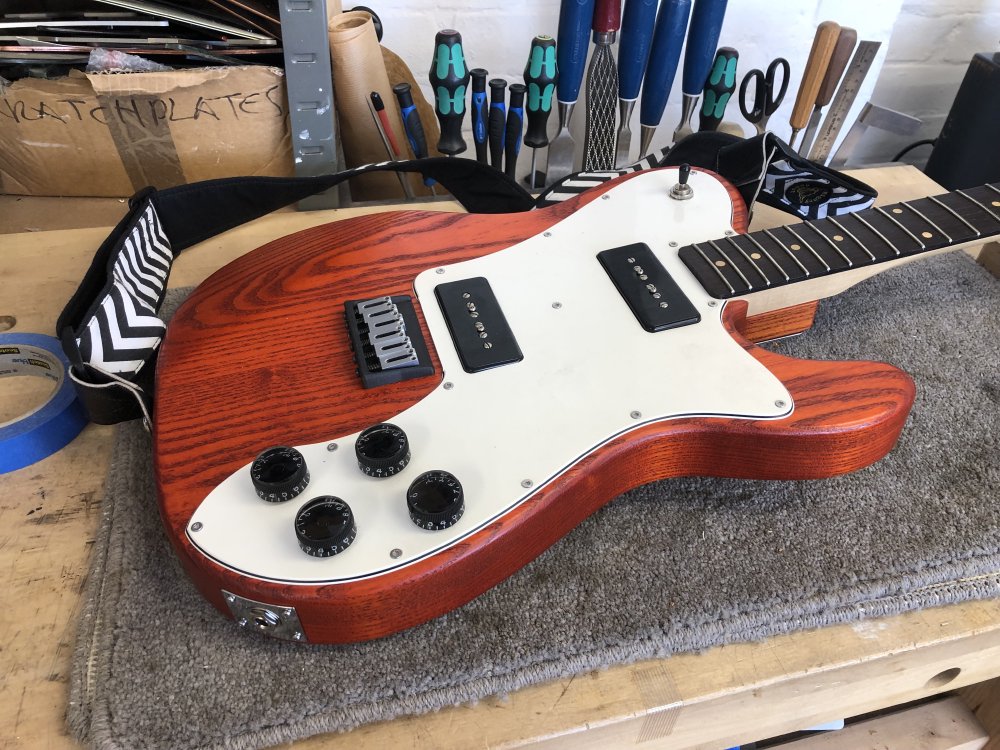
450 78
540 76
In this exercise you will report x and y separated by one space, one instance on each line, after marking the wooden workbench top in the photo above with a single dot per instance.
49 514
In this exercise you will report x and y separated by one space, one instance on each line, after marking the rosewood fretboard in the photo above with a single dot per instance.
740 264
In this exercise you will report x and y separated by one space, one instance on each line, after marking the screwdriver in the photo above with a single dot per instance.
540 76
479 112
412 125
515 126
449 77
498 120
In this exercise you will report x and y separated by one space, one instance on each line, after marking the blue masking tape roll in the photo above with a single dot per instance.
51 426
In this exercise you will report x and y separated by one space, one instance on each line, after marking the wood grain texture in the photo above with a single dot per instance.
819 60
258 356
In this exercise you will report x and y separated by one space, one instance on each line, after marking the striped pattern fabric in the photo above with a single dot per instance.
123 332
782 176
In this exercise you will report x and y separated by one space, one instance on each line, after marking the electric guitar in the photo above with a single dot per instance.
365 425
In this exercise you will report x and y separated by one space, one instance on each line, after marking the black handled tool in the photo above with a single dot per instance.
540 77
497 120
479 112
449 77
514 129
719 88
412 125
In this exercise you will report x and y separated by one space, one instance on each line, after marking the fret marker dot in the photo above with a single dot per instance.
897 210
838 238
720 263
756 256
926 235
996 203
796 247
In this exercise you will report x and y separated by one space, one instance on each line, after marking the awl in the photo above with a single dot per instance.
572 43
703 37
638 20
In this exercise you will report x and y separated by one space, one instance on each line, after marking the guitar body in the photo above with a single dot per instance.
259 356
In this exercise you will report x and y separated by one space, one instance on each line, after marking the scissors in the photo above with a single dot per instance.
765 100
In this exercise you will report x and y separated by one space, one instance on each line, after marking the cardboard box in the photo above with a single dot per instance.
113 134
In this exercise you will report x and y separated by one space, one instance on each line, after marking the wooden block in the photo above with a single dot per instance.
946 724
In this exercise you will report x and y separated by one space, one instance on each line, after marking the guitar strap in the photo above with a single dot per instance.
110 329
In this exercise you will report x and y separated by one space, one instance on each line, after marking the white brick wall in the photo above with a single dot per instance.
927 45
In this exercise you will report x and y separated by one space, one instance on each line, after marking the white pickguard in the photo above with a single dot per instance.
589 368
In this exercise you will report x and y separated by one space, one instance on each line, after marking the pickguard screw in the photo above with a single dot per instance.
439 270
331 447
396 553
557 305
712 303
730 232
448 386
196 526
672 244
780 403
605 197
527 484
635 414
546 234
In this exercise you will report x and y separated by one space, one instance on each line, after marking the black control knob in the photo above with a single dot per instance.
435 500
325 526
382 450
279 473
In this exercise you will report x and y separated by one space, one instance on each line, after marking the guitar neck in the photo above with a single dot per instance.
746 264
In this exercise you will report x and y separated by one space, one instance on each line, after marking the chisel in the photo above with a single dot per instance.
449 78
479 110
638 19
572 43
602 88
668 38
819 60
838 62
514 129
497 120
703 37
540 75
718 88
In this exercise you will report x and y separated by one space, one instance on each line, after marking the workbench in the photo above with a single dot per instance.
49 514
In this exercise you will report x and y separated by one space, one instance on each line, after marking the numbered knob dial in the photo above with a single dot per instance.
325 526
435 500
279 473
382 450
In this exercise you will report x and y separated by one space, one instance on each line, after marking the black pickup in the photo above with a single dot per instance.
650 292
482 337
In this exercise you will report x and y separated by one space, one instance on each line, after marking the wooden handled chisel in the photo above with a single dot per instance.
819 60
838 62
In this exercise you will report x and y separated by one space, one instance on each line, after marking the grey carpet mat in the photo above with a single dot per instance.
674 566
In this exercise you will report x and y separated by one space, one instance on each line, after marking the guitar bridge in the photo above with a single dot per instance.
386 339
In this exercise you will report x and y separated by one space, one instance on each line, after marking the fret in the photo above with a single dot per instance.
788 251
920 213
763 251
710 264
856 241
882 212
732 265
810 248
749 259
812 225
987 210
954 213
858 217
